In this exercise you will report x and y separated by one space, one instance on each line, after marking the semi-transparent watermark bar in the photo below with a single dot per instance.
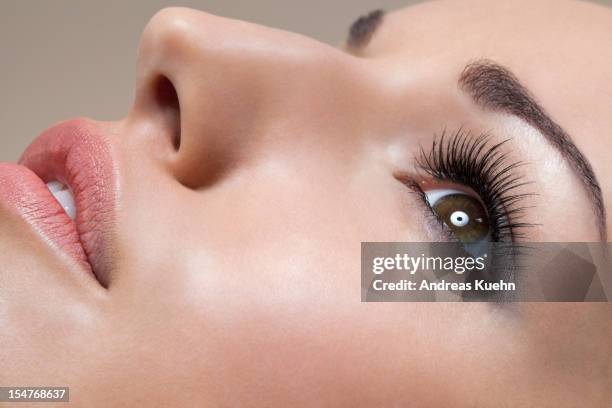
489 272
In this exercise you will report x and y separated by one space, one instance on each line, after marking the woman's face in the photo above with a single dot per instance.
223 216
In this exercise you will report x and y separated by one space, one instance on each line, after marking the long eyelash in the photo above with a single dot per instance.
482 166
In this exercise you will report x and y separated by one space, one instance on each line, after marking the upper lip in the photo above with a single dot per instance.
77 154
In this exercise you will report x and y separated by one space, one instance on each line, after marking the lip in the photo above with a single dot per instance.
77 154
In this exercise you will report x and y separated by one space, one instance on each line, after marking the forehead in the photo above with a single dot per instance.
560 50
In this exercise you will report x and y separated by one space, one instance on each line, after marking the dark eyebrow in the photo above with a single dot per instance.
363 28
495 87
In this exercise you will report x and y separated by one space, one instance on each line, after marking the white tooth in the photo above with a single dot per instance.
54 186
64 196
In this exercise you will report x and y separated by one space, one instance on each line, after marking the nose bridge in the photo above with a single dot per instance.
230 74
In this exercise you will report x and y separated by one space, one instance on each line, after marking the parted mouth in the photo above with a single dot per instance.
64 187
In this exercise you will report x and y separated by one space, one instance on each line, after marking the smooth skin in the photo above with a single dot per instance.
237 256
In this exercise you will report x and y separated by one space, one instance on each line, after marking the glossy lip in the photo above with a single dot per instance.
77 154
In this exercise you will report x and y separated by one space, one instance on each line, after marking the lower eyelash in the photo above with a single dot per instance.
475 162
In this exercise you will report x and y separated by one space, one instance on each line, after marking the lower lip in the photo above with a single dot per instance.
76 154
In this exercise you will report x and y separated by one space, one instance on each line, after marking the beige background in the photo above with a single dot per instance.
67 58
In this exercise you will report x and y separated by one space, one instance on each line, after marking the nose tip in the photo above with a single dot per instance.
222 80
165 38
177 81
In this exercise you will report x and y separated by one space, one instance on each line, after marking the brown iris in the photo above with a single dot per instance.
464 215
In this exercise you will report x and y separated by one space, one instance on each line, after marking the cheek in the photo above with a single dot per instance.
256 283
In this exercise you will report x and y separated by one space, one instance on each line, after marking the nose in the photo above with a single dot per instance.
211 86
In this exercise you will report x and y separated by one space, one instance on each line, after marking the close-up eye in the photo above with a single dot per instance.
471 191
471 187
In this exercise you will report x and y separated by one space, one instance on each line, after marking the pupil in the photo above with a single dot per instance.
457 210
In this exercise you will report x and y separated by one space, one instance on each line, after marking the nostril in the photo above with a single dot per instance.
167 100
